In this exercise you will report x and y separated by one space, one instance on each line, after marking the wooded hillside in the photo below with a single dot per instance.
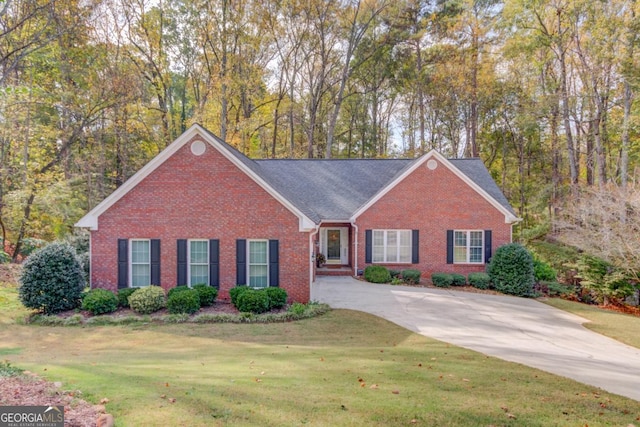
542 90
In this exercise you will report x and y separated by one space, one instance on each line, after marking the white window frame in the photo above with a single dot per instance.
189 263
249 263
131 263
468 247
385 247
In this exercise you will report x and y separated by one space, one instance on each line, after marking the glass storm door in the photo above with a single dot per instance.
333 245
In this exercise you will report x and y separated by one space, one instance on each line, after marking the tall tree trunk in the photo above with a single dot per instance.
624 155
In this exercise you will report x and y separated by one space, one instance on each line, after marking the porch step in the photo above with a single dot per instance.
334 271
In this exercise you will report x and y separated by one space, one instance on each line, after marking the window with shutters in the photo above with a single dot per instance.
468 246
391 246
258 263
140 257
198 259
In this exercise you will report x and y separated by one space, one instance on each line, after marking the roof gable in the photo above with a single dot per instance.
246 165
478 179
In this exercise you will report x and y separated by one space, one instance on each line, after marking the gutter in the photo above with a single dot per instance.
312 259
355 249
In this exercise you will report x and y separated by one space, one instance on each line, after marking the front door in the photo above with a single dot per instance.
334 244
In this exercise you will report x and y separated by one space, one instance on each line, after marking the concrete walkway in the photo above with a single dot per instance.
515 329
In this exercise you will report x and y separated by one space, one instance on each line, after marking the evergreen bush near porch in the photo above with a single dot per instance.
377 274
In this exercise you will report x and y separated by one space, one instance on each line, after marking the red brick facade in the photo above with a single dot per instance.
201 197
433 201
218 195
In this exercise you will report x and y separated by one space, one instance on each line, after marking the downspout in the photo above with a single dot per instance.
312 253
355 252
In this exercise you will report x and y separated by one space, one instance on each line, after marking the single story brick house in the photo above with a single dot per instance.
202 212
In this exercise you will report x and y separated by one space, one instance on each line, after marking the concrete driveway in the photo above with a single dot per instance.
514 329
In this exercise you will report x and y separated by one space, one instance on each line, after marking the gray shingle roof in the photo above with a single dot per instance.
335 189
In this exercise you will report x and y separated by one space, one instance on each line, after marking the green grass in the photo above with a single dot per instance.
622 327
344 368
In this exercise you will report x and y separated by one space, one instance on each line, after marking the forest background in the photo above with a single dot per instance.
543 91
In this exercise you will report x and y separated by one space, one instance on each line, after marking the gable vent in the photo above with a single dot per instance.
432 164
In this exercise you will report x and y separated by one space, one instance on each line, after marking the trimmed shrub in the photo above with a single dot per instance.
394 273
235 292
553 289
511 270
479 280
181 288
52 279
100 301
4 257
123 296
411 276
458 279
277 297
377 274
207 294
543 271
184 302
441 280
148 300
297 308
253 301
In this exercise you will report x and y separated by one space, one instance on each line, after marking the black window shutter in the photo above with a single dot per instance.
155 262
274 266
123 263
214 263
487 246
241 262
415 246
368 246
449 246
182 262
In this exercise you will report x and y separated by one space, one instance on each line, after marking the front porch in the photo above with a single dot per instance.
334 243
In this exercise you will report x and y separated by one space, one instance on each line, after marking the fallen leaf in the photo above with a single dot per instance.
166 384
262 373
414 421
164 396
504 408
322 359
258 380
104 401
360 380
513 417
374 387
465 380
172 399
363 384
395 392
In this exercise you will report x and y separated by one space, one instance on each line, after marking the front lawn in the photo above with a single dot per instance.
344 368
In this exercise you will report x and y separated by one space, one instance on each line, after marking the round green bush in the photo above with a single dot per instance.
479 280
458 279
148 300
123 296
181 288
253 301
207 294
4 257
52 279
442 280
100 301
277 297
511 270
411 276
187 302
377 274
235 292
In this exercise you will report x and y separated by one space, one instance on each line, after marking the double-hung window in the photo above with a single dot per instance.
258 263
198 262
391 246
140 262
468 247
